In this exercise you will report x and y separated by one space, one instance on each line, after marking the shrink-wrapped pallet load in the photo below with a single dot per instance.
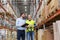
40 34
47 35
55 31
9 35
2 34
14 35
56 28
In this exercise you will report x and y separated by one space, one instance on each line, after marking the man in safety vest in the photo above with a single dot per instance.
30 28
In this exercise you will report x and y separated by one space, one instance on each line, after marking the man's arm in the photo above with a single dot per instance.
25 25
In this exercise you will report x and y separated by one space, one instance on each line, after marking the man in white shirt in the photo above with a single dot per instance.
20 30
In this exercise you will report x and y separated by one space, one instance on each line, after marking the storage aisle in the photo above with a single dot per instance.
46 14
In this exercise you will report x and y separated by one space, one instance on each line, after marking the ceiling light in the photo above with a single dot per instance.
24 0
25 7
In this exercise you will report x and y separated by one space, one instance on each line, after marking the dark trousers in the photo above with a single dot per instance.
20 34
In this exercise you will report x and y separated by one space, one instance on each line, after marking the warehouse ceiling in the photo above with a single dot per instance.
23 5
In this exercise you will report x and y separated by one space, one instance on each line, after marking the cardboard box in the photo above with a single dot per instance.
47 35
40 34
52 6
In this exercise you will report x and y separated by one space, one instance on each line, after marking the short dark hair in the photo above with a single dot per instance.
21 14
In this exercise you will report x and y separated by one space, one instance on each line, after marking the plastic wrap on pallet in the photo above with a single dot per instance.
3 34
58 28
40 34
55 31
47 35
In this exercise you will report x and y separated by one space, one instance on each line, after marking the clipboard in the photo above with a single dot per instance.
25 25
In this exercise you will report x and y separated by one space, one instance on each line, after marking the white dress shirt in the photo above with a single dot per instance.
19 22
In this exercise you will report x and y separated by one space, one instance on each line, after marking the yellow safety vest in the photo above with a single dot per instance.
30 26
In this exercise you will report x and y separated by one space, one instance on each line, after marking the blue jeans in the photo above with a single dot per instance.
20 34
30 35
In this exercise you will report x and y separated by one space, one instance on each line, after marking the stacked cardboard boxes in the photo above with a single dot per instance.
48 8
51 32
52 6
45 35
40 34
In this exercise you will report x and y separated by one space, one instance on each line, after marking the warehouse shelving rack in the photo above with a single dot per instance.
52 17
7 14
12 31
49 21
